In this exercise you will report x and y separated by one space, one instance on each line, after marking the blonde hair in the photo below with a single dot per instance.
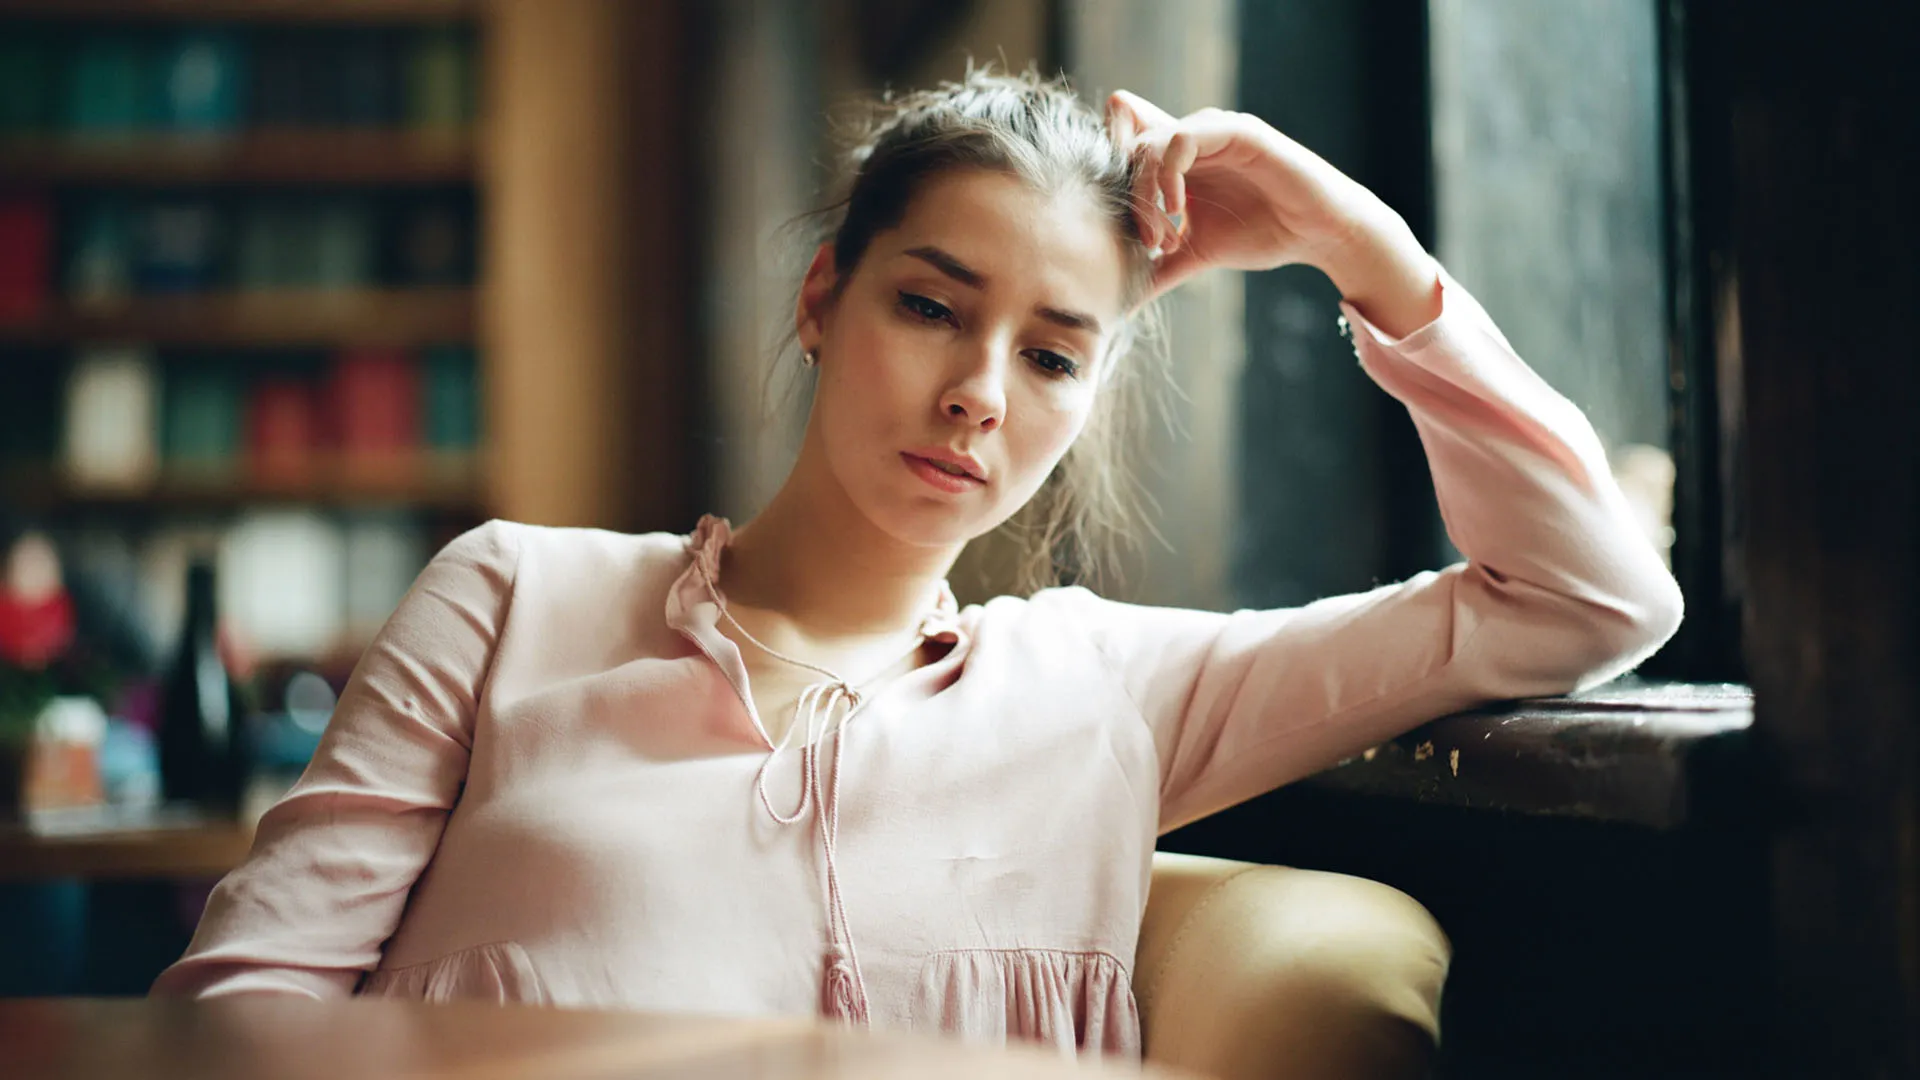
1077 526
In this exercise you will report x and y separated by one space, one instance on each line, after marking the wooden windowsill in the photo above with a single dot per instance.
1654 754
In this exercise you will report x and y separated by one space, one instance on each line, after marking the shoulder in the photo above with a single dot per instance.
1069 613
598 546
557 556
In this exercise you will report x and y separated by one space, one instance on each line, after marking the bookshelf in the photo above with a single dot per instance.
573 299
449 485
260 319
266 157
320 12
258 223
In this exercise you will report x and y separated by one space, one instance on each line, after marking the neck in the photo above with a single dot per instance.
814 560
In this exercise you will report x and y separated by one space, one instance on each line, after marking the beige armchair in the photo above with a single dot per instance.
1266 971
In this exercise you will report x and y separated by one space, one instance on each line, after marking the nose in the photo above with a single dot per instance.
979 398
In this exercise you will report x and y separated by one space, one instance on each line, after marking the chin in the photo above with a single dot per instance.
927 525
927 522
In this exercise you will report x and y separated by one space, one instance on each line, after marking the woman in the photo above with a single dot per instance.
776 771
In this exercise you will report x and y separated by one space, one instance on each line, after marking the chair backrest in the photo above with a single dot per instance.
1259 971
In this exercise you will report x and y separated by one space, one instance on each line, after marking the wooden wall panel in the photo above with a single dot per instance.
587 308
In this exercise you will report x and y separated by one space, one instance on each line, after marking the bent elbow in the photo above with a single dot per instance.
1551 644
1631 632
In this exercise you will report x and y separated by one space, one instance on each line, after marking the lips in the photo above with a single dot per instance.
957 462
940 474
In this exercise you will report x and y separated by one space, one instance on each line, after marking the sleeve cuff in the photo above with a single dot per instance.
1351 321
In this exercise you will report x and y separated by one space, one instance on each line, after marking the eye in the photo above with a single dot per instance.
1053 363
924 309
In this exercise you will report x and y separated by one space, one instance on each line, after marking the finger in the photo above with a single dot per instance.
1144 115
1144 196
1146 211
1169 271
1181 152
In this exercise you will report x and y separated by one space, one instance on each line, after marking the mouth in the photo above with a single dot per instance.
943 475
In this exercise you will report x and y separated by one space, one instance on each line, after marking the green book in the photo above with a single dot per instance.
452 399
440 81
200 424
108 88
26 82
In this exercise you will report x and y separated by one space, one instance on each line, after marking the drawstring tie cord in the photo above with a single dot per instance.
843 988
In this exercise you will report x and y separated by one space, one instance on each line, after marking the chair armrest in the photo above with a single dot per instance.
1259 971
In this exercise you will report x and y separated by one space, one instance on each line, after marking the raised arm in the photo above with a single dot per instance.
332 863
1559 590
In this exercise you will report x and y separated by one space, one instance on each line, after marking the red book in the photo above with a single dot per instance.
283 430
375 403
26 255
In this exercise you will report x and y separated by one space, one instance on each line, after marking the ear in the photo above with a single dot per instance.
815 306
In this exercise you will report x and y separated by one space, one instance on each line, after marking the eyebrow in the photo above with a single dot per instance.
965 275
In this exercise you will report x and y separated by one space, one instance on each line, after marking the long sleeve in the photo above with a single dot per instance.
332 862
1558 591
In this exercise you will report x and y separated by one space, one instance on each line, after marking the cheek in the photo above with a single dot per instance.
868 386
1051 425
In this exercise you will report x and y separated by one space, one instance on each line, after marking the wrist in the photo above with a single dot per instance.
1382 270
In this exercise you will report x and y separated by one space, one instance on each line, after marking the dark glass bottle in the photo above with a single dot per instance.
206 749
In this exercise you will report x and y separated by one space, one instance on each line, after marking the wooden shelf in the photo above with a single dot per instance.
423 483
285 11
170 846
291 317
264 157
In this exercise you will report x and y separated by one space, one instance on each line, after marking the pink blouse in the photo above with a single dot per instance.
540 784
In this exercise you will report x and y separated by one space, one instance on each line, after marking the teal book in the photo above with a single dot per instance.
26 82
201 73
452 399
200 422
108 88
100 255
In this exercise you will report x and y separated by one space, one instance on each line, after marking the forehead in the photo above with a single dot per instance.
1056 246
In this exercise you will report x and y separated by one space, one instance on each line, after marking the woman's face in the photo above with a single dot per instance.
961 357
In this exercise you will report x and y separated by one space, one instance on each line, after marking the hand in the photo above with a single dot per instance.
1248 198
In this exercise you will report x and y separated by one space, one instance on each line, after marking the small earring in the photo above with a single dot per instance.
811 358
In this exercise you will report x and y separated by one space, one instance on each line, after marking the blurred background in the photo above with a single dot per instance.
296 292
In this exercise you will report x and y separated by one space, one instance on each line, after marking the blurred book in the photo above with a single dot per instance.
269 244
385 551
26 255
201 76
282 88
374 398
176 246
112 395
440 81
284 430
100 251
200 424
31 409
343 244
26 81
367 85
282 582
452 393
107 86
433 242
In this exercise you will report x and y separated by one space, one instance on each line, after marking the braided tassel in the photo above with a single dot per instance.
842 997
